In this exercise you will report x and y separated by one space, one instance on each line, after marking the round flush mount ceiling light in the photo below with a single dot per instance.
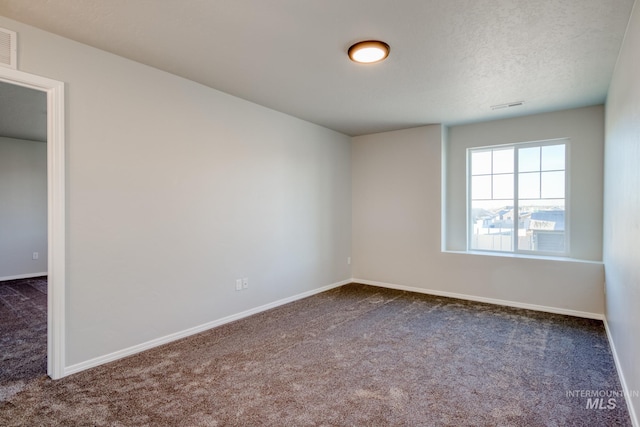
369 51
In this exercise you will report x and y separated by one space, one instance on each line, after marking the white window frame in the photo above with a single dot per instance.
567 196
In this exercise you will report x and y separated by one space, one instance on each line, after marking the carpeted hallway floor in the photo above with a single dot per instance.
23 333
353 356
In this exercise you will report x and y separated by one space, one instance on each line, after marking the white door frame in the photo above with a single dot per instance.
56 218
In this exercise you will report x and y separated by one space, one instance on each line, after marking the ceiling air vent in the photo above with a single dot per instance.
507 105
8 42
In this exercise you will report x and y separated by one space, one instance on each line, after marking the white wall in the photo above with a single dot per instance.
23 207
622 209
585 129
174 190
396 178
396 205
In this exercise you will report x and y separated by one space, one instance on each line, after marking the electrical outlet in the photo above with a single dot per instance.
238 284
36 255
245 283
348 260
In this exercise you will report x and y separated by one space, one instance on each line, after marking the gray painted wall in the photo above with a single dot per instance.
23 207
23 113
622 209
397 188
585 129
175 190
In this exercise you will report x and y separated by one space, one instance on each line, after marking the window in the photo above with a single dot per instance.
517 196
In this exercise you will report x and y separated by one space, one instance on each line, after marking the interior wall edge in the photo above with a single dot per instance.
623 382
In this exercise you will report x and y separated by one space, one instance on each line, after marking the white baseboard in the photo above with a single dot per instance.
623 382
515 304
209 325
23 276
192 331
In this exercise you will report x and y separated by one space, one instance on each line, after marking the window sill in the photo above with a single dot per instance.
525 256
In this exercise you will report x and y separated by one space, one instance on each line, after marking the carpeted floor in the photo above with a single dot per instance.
353 356
23 333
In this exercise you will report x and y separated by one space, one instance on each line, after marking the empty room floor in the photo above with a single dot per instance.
356 355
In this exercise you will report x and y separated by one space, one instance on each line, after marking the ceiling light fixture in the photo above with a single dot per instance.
369 51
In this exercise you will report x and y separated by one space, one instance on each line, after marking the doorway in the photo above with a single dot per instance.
56 230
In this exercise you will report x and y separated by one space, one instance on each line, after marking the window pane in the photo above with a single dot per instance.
529 185
541 225
553 157
481 187
553 185
481 163
529 159
503 161
503 186
492 226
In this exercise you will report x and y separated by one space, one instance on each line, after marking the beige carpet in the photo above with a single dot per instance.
353 356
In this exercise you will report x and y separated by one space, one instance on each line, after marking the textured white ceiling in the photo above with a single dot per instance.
450 59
